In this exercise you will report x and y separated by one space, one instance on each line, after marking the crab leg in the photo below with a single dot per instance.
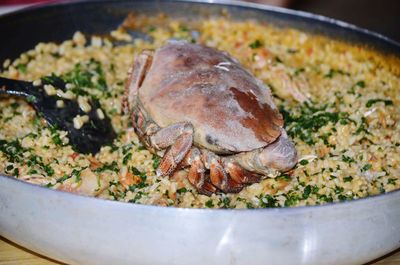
180 139
167 136
196 175
239 174
136 76
218 176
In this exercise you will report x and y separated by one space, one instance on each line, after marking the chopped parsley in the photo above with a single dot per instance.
362 127
126 158
156 161
366 167
209 203
392 181
278 60
48 169
348 179
139 185
22 68
325 198
361 84
307 192
299 70
31 99
108 166
63 178
339 190
342 197
268 201
137 172
348 159
82 74
12 150
292 51
183 28
151 29
334 72
303 162
225 202
14 105
181 190
291 199
371 102
256 44
56 139
137 197
311 118
284 177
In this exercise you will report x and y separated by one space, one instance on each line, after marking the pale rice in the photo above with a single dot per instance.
355 156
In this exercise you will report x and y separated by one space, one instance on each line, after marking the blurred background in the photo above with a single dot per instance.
380 16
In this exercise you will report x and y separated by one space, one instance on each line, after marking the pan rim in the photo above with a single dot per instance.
277 10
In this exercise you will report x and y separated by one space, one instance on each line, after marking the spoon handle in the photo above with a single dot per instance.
18 88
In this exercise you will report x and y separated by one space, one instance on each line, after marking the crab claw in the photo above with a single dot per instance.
280 155
239 174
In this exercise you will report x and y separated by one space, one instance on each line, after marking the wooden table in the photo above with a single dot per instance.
12 254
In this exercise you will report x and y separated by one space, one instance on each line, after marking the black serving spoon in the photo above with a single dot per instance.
94 134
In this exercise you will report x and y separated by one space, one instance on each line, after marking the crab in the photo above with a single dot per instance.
197 107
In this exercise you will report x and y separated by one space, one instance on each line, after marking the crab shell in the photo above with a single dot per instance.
199 108
231 111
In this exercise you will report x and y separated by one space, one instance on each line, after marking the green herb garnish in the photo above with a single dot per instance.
22 68
333 72
303 162
126 158
348 179
181 190
267 201
256 44
348 159
307 192
371 102
310 120
108 166
366 167
392 181
209 203
156 161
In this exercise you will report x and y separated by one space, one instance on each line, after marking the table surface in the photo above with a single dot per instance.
12 254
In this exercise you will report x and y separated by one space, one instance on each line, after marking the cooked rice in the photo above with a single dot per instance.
347 136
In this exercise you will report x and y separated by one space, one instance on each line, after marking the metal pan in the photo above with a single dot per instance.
82 230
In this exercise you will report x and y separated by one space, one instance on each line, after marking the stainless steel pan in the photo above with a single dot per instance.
81 230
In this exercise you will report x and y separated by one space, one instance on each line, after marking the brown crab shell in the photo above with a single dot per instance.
230 110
